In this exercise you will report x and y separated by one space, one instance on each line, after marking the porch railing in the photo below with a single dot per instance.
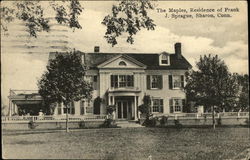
53 118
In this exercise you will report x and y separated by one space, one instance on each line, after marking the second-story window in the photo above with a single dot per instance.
122 81
176 81
154 81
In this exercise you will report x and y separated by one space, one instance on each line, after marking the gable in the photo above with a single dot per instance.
122 61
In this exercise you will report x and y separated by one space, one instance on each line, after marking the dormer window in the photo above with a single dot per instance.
122 63
164 59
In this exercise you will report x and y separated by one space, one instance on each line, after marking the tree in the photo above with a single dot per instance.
128 16
33 14
145 108
63 82
244 92
212 84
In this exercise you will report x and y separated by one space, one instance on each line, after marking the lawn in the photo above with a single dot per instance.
128 143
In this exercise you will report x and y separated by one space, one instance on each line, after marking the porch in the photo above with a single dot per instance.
126 102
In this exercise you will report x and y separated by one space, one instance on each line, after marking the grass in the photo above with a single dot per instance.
127 143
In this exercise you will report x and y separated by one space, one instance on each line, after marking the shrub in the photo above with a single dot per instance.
163 120
82 124
111 109
109 123
177 123
219 121
32 125
151 122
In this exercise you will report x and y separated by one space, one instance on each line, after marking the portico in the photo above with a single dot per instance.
126 102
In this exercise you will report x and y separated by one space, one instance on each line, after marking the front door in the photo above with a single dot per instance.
123 109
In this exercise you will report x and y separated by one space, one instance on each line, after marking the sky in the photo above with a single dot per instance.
22 65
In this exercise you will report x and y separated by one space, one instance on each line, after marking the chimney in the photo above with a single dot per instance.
97 49
177 48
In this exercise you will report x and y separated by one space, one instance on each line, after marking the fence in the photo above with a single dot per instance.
52 118
102 117
208 115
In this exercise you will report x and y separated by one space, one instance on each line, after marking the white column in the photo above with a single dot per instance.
113 103
84 106
113 100
139 103
109 100
14 108
136 118
10 108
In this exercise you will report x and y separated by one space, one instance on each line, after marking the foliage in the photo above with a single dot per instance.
32 125
128 16
64 80
4 110
109 123
111 109
211 84
151 121
33 14
82 124
145 109
219 121
243 103
177 123
163 120
146 106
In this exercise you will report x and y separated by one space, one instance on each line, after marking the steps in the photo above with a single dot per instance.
128 124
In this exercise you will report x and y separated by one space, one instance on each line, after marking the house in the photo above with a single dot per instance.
123 79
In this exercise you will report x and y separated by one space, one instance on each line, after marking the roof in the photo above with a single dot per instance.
150 60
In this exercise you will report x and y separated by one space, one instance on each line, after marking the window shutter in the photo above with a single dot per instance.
112 80
132 80
115 81
184 107
148 82
170 81
171 106
182 81
95 79
160 82
161 105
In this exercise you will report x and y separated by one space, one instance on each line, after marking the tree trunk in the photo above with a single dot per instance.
67 119
213 118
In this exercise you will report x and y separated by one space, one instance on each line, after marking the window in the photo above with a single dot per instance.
154 82
122 81
164 59
71 108
122 63
59 109
82 107
157 105
176 81
95 79
176 105
89 108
